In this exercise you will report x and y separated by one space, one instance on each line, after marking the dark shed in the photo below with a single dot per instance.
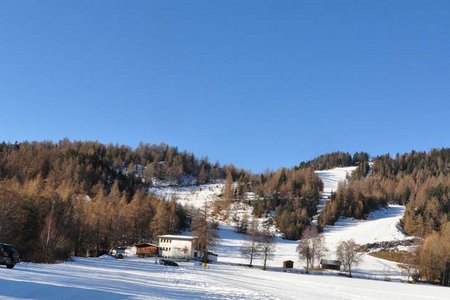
331 264
288 264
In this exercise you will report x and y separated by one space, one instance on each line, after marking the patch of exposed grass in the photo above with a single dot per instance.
399 257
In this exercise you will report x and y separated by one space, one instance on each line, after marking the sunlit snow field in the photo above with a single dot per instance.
134 278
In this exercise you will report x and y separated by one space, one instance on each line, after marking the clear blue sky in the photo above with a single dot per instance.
254 83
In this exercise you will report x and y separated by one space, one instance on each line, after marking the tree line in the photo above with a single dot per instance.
80 166
335 159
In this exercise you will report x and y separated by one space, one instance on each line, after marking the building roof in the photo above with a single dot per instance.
177 237
144 245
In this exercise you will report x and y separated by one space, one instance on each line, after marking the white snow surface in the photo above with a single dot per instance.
191 195
381 225
133 278
332 177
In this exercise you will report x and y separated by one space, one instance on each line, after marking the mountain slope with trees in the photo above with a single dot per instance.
83 198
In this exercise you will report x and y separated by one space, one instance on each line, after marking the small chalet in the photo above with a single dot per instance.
177 246
146 249
331 264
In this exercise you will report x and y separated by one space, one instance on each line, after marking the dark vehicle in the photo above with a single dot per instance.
168 262
9 255
120 252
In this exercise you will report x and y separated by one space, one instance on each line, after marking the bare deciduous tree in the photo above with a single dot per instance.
250 247
311 246
267 245
347 253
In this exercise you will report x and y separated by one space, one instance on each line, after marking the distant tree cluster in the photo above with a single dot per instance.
78 167
336 159
293 194
433 257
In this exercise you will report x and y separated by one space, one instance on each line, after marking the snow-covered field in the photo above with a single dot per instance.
133 278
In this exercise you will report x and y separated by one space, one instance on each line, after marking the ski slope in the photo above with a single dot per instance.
331 179
381 225
133 278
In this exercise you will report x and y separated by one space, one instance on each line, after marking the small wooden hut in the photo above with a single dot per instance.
146 249
288 264
331 264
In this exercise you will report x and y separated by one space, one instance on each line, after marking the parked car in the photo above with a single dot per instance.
168 262
120 252
9 256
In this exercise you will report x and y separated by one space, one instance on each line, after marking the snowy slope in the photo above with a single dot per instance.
331 179
142 279
190 195
382 225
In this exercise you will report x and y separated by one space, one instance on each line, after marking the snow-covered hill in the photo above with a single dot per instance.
133 278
